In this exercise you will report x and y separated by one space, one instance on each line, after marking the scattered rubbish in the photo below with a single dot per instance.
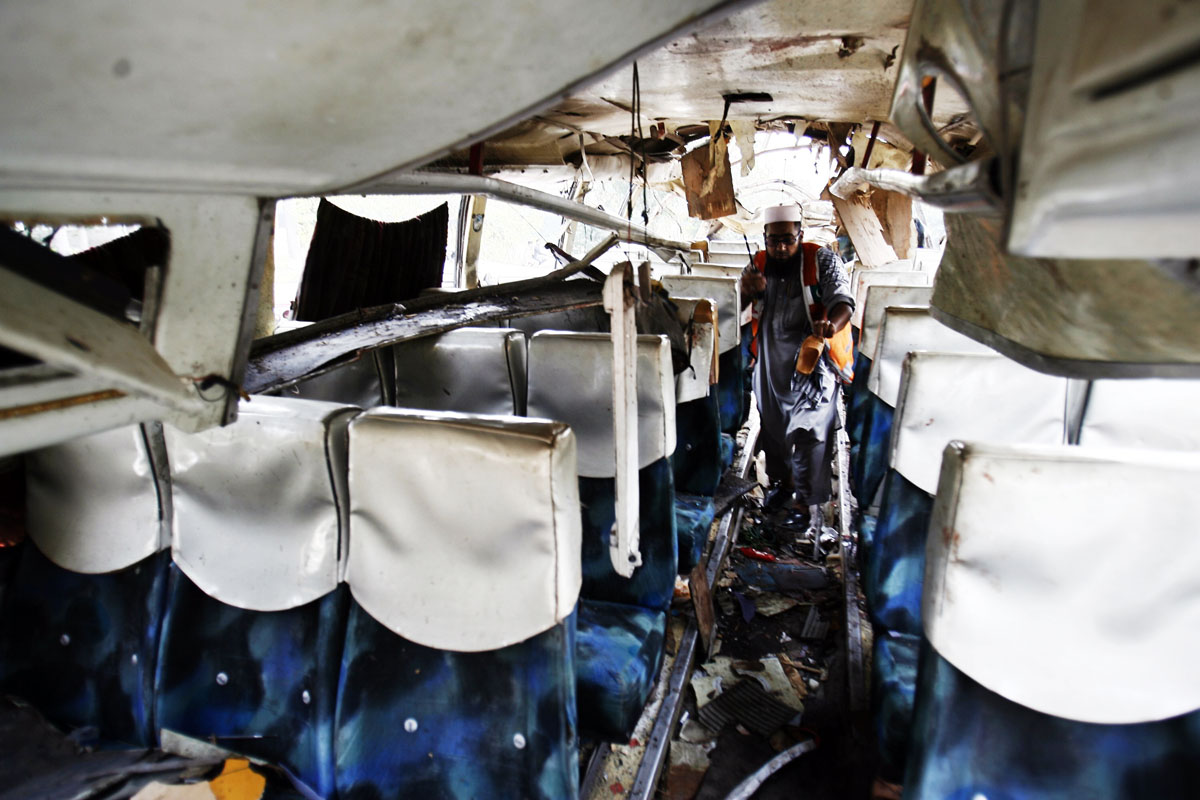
693 732
685 772
682 590
747 788
758 555
814 626
746 605
814 684
782 577
706 687
770 604
748 704
731 488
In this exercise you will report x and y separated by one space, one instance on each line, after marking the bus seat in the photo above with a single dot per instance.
942 396
583 362
694 514
570 380
875 295
1156 413
592 319
458 672
902 329
360 383
1059 618
618 659
726 292
470 370
79 633
696 463
697 459
255 617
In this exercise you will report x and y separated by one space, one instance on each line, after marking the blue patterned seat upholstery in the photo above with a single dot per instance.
693 518
697 461
82 648
970 742
261 683
458 674
79 633
1025 682
619 651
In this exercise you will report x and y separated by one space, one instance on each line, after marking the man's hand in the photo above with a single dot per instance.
754 282
823 328
839 315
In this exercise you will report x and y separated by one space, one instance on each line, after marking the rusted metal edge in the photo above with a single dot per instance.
282 360
646 779
58 405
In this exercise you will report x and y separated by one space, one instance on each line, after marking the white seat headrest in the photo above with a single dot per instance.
93 502
465 531
973 397
570 380
260 504
1054 575
470 370
875 301
1147 412
888 275
905 330
725 292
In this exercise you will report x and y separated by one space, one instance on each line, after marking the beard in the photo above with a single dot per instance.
784 267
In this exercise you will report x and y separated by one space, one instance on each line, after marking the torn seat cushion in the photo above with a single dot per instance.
413 721
693 518
618 654
697 458
261 683
653 583
82 648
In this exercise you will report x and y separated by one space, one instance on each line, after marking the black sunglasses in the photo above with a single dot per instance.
781 238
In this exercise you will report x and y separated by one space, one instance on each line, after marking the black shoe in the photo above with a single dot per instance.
796 519
777 498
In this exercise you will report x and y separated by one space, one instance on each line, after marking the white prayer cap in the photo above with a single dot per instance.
789 212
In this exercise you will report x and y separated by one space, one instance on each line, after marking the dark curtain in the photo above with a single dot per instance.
357 263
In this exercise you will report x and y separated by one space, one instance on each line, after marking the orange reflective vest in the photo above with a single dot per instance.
840 346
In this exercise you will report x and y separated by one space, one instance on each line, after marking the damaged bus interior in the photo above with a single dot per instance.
376 410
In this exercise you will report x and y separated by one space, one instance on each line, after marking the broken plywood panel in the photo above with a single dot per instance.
708 181
894 211
864 229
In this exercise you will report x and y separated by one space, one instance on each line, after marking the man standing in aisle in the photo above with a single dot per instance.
799 290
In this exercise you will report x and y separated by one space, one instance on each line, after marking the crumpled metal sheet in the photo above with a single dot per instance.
725 292
1077 318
